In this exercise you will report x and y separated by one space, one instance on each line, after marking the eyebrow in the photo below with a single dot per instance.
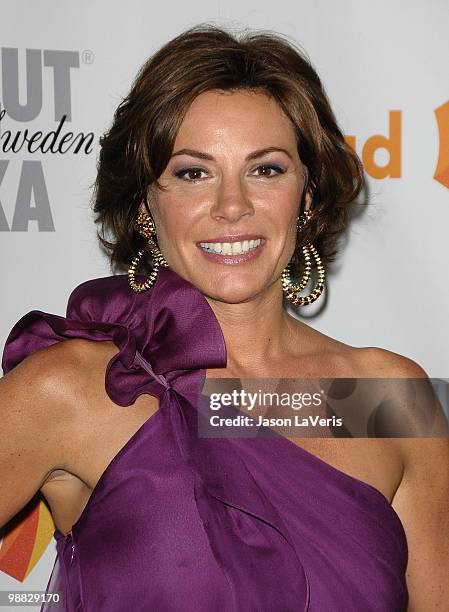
254 155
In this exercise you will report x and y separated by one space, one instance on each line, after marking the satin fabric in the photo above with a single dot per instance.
183 523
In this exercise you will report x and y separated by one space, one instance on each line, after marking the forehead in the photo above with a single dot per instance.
238 115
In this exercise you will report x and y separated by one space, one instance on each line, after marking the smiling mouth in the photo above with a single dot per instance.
231 248
232 252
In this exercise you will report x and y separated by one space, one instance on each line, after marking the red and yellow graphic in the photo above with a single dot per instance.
23 546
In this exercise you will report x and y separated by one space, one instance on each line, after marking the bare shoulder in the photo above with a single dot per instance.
42 400
47 392
44 375
55 374
422 498
375 362
335 358
411 402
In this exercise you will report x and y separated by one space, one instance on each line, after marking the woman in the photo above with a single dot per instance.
225 176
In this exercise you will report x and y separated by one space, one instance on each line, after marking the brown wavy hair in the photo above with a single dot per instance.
136 149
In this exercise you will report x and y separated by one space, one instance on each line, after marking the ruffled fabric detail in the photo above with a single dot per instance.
171 326
167 338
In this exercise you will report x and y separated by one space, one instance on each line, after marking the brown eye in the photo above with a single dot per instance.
192 174
269 171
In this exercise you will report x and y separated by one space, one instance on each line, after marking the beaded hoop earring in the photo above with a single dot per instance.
291 288
146 228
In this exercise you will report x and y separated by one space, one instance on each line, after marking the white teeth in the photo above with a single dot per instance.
230 248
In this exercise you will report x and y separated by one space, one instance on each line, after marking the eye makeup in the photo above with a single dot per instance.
198 170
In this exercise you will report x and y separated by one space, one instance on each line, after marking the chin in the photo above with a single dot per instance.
232 294
233 298
226 286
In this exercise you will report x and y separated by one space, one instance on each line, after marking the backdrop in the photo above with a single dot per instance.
65 67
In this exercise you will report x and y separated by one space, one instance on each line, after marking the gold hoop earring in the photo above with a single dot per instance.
146 228
291 288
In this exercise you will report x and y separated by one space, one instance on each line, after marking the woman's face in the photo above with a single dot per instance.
234 177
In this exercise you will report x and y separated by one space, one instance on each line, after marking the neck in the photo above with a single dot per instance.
258 333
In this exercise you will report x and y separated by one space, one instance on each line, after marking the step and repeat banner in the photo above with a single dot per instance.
65 67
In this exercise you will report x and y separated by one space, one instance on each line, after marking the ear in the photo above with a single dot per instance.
148 206
307 200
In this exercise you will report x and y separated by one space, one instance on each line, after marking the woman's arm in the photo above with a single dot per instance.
422 498
422 503
34 419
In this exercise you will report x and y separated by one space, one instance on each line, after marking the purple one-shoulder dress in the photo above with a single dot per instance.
179 522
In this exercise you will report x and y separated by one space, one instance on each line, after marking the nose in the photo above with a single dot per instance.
231 201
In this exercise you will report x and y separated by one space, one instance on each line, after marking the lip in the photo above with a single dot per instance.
239 238
232 260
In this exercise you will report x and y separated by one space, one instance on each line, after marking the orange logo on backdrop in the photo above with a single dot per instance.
442 171
392 144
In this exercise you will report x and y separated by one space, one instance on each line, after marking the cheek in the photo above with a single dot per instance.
284 196
172 223
281 212
180 211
